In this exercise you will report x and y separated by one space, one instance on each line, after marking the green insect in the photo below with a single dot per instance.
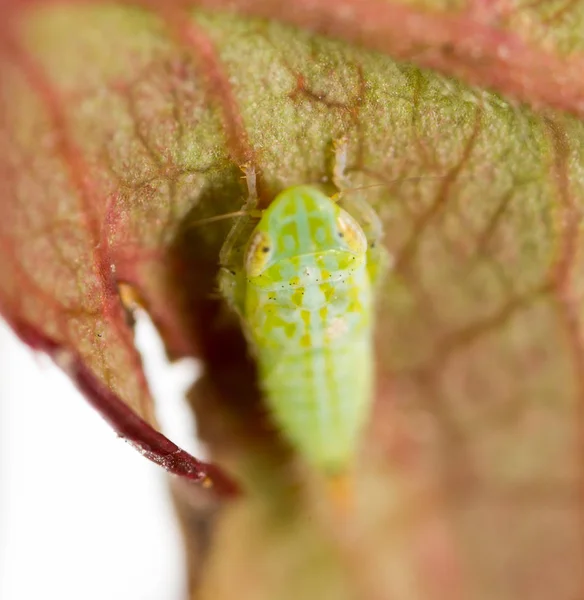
303 283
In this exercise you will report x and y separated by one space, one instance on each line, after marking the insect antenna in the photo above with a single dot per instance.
253 213
336 196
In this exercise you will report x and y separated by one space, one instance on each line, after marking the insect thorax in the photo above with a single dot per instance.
307 302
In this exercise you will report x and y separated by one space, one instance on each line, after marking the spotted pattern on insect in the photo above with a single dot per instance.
306 306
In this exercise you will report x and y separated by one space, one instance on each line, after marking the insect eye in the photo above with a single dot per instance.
351 233
258 254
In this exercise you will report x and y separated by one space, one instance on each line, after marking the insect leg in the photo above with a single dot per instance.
378 259
231 274
340 164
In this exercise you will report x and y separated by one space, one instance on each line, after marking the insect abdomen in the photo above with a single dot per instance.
320 398
314 349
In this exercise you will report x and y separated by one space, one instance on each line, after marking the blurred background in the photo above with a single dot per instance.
82 515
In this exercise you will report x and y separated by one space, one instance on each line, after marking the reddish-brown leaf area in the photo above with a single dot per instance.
123 125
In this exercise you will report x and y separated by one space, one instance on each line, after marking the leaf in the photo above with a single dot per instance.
122 127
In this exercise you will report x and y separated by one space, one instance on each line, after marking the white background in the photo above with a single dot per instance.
82 515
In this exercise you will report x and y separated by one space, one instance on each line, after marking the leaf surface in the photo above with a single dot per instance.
122 126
